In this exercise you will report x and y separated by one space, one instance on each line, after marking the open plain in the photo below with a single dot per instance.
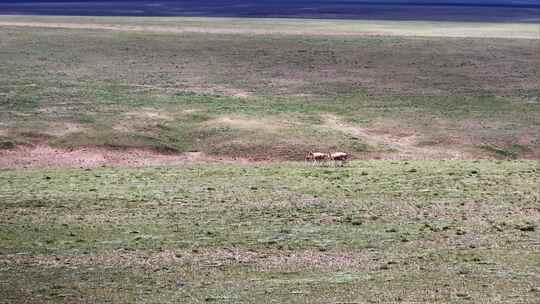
155 160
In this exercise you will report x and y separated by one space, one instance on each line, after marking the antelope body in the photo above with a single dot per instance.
341 156
316 156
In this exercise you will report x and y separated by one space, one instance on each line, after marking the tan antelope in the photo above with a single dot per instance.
317 156
340 157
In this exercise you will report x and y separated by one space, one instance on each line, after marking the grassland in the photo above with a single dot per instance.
221 109
375 231
268 95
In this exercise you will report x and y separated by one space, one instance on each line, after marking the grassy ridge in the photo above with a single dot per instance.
416 231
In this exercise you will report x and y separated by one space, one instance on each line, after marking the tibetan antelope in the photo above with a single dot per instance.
340 157
316 157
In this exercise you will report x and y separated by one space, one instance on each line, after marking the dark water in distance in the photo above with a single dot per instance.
528 11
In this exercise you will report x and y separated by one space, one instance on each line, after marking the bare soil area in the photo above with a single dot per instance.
404 144
44 156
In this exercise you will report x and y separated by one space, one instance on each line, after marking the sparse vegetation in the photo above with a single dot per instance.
510 152
420 231
176 91
94 124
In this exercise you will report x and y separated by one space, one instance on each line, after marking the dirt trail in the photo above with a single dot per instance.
403 145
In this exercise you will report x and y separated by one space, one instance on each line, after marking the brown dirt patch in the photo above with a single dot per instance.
217 90
246 123
141 119
45 156
62 129
148 113
403 143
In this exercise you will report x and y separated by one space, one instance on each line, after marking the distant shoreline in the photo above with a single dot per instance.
477 12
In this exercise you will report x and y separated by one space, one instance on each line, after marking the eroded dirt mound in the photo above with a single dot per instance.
405 143
388 144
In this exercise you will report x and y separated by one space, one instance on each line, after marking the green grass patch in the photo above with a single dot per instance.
288 231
